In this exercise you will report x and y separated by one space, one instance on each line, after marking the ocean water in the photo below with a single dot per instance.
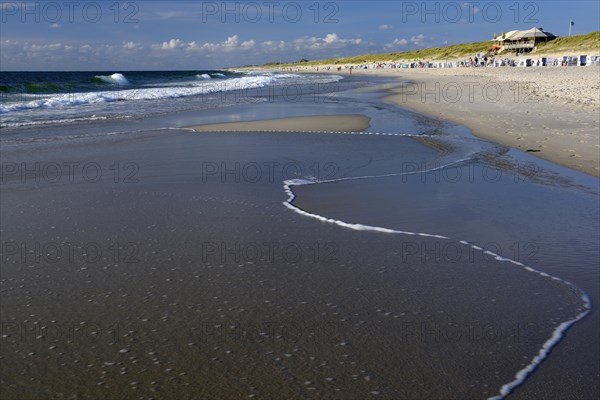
43 98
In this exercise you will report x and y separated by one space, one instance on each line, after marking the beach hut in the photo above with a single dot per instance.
528 39
523 40
525 62
593 60
568 61
535 34
504 37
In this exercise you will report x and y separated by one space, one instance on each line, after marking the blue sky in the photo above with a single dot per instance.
168 35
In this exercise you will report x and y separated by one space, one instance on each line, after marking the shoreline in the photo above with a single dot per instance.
548 115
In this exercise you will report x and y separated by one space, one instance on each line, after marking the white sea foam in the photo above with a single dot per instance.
203 87
116 79
203 76
75 99
546 348
59 121
556 337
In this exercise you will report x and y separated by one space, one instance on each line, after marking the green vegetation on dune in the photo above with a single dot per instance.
432 53
577 43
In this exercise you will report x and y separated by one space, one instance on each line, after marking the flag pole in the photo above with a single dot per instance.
570 26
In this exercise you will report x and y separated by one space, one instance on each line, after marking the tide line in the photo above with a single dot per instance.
558 333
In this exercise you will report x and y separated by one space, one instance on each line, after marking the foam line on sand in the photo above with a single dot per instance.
558 333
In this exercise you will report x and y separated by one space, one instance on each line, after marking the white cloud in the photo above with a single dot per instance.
171 14
227 46
247 45
39 48
20 55
234 43
231 44
396 43
385 27
331 38
132 46
170 45
55 26
174 52
231 41
418 39
330 41
271 45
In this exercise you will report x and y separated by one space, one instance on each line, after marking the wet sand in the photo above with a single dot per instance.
179 273
343 123
194 308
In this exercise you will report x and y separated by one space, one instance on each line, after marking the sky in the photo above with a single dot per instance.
195 35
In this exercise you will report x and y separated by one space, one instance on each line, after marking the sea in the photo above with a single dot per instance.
29 99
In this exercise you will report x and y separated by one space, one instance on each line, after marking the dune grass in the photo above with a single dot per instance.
432 53
575 44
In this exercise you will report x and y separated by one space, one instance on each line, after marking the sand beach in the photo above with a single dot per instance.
551 111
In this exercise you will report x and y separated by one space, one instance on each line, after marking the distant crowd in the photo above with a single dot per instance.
476 61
